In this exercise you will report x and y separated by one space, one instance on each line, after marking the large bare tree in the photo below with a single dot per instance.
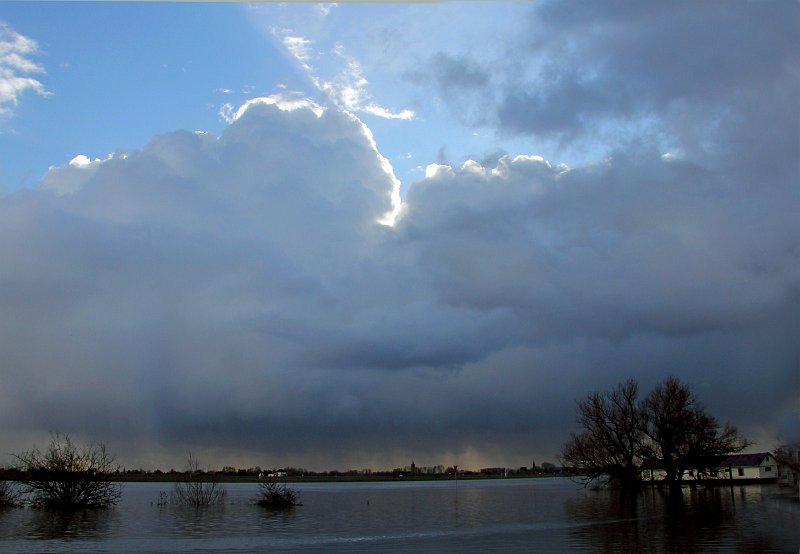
682 435
669 429
609 446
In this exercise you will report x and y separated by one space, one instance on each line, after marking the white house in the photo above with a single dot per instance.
761 465
737 467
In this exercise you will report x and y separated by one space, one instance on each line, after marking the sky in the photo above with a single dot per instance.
353 235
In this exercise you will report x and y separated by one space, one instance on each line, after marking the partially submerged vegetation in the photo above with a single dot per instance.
788 455
198 488
669 429
277 497
622 436
9 495
67 476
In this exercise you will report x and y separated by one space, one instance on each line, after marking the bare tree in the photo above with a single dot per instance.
610 444
198 488
788 455
682 435
67 476
669 429
788 458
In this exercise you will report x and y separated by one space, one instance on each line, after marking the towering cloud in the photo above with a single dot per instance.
171 290
239 292
244 293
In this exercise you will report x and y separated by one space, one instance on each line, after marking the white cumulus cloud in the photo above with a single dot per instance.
205 288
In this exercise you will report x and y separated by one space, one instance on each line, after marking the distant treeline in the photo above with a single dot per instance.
232 473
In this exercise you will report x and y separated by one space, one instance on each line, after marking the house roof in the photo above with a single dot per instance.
735 460
743 459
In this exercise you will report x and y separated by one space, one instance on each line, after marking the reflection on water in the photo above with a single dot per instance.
720 519
49 525
477 516
197 521
93 524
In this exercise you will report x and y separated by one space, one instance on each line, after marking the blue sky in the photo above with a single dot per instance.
115 74
202 238
119 73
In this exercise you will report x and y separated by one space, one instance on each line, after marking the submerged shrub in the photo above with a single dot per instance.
9 495
67 476
198 488
276 497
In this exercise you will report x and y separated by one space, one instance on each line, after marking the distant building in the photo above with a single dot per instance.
548 467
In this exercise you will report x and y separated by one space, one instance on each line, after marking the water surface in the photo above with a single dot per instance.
511 515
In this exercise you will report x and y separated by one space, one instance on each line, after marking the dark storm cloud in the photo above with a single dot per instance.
718 79
659 265
696 249
235 304
135 290
238 293
458 81
455 72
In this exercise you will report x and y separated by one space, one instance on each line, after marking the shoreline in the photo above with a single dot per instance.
177 477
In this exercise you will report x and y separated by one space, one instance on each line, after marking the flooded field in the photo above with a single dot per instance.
530 515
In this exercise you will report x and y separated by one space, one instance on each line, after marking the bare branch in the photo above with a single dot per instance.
67 476
198 488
